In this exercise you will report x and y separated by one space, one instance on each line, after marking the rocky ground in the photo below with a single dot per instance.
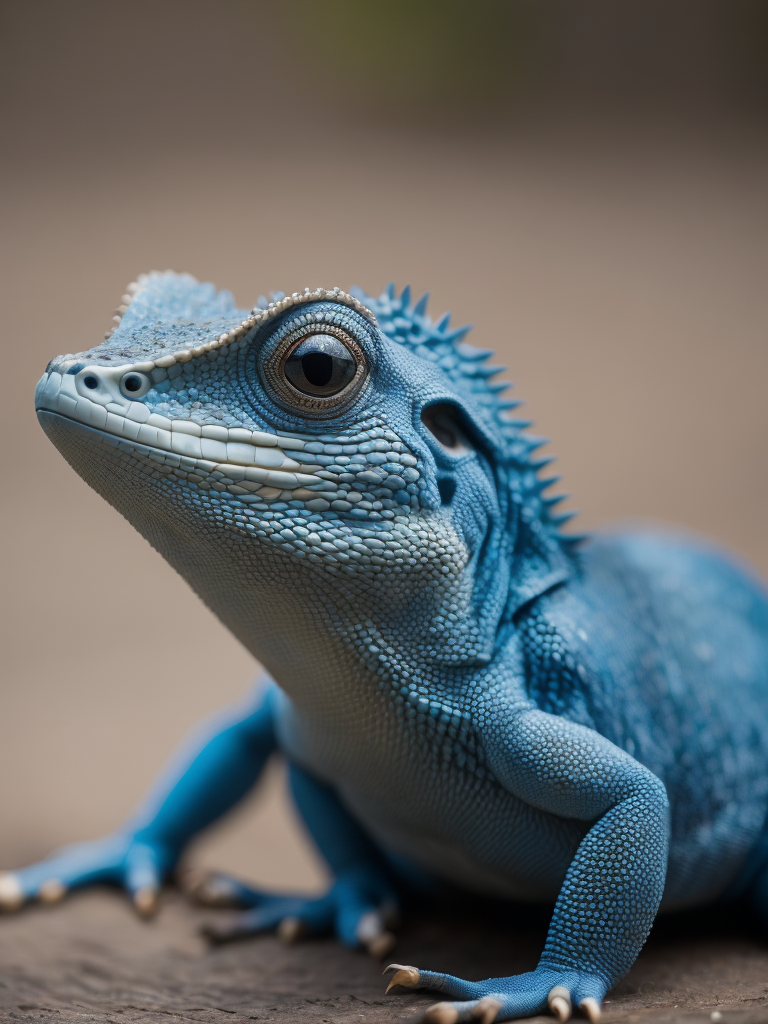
92 961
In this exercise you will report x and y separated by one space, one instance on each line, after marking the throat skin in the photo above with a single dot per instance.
266 597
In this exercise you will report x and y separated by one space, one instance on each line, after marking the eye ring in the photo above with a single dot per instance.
308 387
134 384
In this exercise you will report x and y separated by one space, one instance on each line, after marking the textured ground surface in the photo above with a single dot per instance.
92 961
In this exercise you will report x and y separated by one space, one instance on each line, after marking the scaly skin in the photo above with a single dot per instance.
464 696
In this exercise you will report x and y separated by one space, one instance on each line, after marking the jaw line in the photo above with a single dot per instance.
245 480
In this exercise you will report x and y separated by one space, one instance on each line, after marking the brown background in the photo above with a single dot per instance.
585 183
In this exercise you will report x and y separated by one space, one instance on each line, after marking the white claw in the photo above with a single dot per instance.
369 926
591 1009
52 891
559 1000
486 1011
381 945
441 1013
145 901
291 929
371 933
209 889
408 977
11 893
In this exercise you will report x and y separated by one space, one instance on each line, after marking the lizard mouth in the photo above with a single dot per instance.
253 465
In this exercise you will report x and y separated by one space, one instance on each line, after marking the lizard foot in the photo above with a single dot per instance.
499 999
361 908
137 866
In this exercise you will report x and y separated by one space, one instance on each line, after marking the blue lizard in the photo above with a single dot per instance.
465 695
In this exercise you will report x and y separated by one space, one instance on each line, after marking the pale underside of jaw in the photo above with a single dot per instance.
252 464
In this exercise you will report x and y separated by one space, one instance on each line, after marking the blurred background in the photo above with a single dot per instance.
586 183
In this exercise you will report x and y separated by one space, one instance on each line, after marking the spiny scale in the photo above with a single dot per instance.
409 325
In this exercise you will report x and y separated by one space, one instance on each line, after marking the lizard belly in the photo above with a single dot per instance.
488 841
458 824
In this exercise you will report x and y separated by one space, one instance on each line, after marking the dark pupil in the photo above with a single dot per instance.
320 365
132 384
318 368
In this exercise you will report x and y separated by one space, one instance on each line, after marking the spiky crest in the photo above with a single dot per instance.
465 365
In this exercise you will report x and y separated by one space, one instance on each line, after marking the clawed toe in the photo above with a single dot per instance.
146 901
483 1011
372 934
381 945
218 933
408 977
11 893
559 1002
441 1013
52 891
292 929
486 1011
591 1009
211 889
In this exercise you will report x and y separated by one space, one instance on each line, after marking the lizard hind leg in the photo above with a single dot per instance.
349 907
360 906
291 915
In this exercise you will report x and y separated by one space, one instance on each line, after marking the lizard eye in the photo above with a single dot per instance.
317 371
319 365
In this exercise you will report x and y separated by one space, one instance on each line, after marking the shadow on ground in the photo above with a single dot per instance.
92 960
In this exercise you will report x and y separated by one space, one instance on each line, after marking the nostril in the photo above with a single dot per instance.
447 488
135 384
91 382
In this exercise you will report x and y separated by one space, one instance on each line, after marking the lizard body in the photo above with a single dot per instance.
464 693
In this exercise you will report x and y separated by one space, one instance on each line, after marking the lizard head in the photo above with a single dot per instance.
325 455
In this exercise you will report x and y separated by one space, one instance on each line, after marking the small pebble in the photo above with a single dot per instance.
715 1015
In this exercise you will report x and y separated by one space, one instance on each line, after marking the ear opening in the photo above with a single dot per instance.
450 426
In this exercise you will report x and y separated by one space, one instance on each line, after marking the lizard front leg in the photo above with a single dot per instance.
611 891
215 768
